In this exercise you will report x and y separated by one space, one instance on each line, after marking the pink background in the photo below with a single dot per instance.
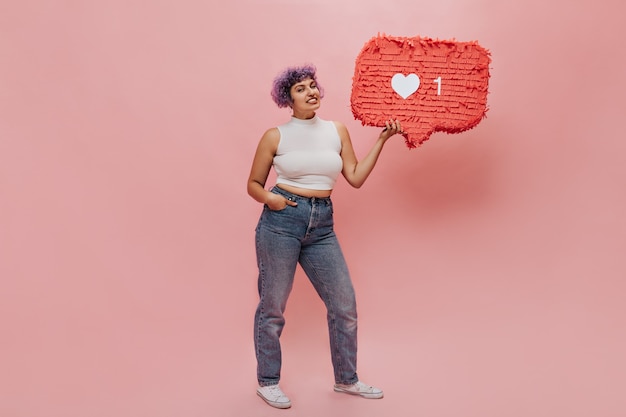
489 265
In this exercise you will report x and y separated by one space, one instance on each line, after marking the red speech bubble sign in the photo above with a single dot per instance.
429 85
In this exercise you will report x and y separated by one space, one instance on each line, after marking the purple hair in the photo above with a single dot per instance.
281 88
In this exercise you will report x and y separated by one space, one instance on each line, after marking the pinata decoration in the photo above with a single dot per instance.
429 85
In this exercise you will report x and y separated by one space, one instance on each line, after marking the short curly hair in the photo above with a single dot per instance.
281 88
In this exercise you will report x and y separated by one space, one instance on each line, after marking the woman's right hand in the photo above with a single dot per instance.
277 202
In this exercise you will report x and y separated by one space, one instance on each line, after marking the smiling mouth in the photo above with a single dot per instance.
312 100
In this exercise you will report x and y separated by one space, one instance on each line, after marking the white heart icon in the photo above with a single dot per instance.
405 86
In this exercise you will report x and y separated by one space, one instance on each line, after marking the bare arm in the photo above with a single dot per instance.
261 165
355 171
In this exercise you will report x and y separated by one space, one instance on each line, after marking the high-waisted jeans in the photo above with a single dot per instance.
302 234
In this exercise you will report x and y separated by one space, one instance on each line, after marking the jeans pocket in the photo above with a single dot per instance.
276 211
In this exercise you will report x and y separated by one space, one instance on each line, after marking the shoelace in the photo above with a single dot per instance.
361 387
276 391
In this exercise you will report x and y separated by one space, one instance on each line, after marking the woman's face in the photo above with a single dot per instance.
306 97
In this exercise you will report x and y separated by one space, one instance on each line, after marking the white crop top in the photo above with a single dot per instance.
308 154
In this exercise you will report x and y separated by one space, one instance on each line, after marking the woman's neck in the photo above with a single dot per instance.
304 116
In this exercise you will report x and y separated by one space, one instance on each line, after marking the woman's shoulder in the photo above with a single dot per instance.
272 132
271 136
341 128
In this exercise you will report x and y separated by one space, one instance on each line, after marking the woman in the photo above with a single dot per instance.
296 226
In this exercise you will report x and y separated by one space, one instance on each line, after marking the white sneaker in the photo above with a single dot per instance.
274 396
364 390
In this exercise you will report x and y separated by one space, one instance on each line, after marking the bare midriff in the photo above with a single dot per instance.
305 192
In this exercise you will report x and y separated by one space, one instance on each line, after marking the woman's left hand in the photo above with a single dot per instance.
391 128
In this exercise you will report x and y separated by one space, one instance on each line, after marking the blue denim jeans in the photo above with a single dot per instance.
302 234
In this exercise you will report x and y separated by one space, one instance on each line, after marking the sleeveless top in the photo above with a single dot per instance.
308 154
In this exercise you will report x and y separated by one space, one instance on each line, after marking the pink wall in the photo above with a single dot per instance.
489 265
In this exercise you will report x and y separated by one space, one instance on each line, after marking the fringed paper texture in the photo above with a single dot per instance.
437 85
